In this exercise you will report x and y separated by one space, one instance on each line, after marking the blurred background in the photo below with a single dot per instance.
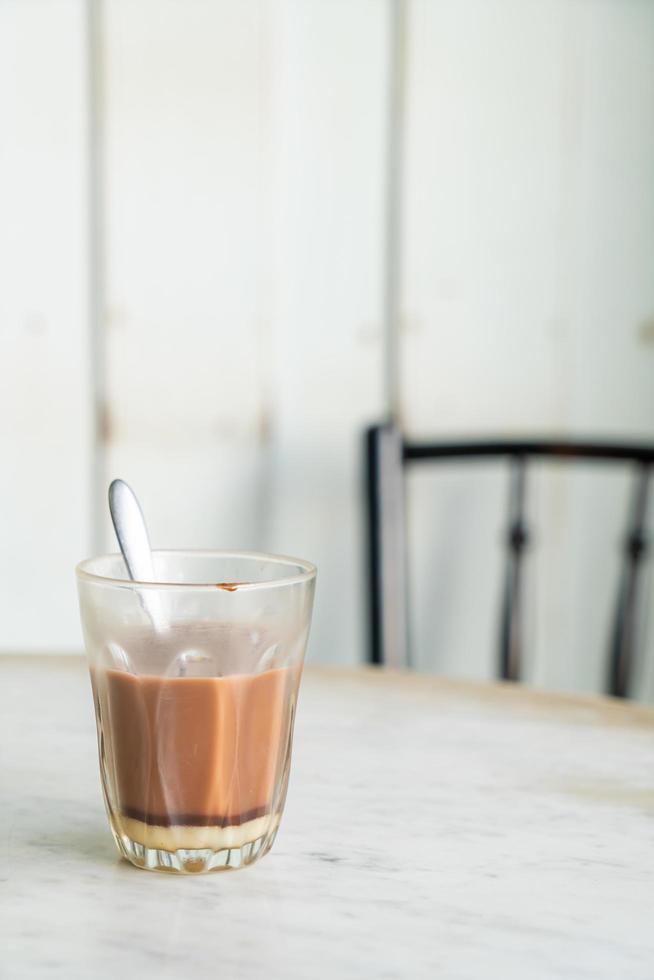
233 234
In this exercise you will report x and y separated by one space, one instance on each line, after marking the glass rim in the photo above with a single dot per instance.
307 573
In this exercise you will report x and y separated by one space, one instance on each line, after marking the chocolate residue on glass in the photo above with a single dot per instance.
229 586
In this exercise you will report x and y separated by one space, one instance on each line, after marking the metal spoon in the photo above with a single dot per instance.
132 533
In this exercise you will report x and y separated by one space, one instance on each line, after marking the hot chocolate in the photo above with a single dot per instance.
195 762
195 679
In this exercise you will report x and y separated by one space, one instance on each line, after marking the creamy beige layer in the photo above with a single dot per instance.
195 838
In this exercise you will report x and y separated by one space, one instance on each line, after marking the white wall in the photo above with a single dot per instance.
185 99
244 212
244 152
528 305
45 398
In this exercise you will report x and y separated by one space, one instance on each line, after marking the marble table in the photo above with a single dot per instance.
432 829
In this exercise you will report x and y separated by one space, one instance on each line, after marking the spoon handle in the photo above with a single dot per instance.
132 533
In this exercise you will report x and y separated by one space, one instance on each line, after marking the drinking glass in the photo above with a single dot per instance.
195 680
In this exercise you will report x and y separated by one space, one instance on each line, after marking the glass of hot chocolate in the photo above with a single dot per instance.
195 679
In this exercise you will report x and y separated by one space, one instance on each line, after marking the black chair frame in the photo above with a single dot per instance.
387 456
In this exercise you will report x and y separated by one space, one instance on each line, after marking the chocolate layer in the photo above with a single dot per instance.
194 819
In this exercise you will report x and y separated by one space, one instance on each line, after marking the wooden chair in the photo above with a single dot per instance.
387 455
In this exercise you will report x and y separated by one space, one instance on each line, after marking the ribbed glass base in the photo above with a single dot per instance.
193 860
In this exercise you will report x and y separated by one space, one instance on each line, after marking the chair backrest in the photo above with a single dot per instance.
388 453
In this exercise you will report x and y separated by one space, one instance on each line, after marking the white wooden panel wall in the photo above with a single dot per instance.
528 302
244 202
327 328
243 157
45 432
185 101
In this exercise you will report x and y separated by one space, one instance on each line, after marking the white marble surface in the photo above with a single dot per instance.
431 829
